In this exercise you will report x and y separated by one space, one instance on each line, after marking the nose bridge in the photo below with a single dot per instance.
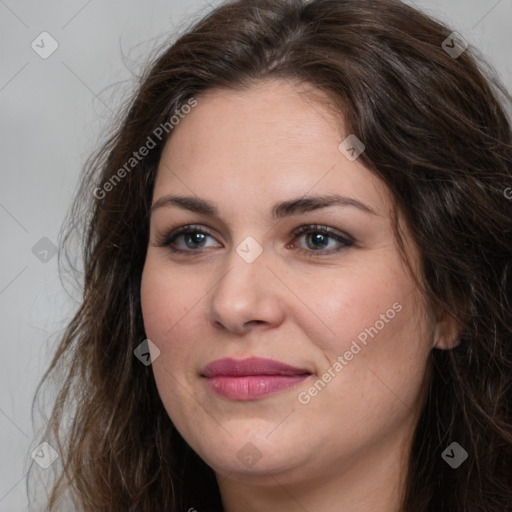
240 284
247 291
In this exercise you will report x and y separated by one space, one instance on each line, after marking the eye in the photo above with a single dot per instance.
193 237
317 240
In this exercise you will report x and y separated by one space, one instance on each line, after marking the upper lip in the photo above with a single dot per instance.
229 367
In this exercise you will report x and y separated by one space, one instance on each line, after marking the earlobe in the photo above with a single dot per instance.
446 333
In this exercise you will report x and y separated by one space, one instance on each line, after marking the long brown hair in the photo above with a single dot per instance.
435 130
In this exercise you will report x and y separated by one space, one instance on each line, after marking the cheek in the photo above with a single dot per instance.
168 304
367 303
167 294
169 308
383 364
377 324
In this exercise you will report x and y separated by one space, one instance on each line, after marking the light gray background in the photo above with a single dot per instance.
53 112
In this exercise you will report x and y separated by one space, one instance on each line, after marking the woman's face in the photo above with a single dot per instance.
339 307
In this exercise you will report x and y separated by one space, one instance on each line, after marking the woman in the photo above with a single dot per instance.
297 275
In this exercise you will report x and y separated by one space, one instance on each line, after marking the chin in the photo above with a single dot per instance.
250 453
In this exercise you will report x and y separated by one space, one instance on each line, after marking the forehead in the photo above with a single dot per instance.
271 142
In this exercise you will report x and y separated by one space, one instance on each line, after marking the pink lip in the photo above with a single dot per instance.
252 378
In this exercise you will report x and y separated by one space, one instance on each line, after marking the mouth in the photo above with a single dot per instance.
251 378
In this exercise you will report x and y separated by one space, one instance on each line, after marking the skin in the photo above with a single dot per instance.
347 448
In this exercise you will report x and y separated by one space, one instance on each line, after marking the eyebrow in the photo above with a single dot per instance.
279 210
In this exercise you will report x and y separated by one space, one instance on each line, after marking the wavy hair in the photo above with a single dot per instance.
436 131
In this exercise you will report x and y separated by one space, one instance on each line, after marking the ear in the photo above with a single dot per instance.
446 333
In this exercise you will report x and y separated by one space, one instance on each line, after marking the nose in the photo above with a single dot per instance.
246 296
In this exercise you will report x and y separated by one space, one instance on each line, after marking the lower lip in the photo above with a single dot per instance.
253 386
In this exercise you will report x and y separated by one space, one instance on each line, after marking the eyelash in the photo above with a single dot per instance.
168 239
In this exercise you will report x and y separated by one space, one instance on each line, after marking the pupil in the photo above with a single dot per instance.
196 238
318 237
